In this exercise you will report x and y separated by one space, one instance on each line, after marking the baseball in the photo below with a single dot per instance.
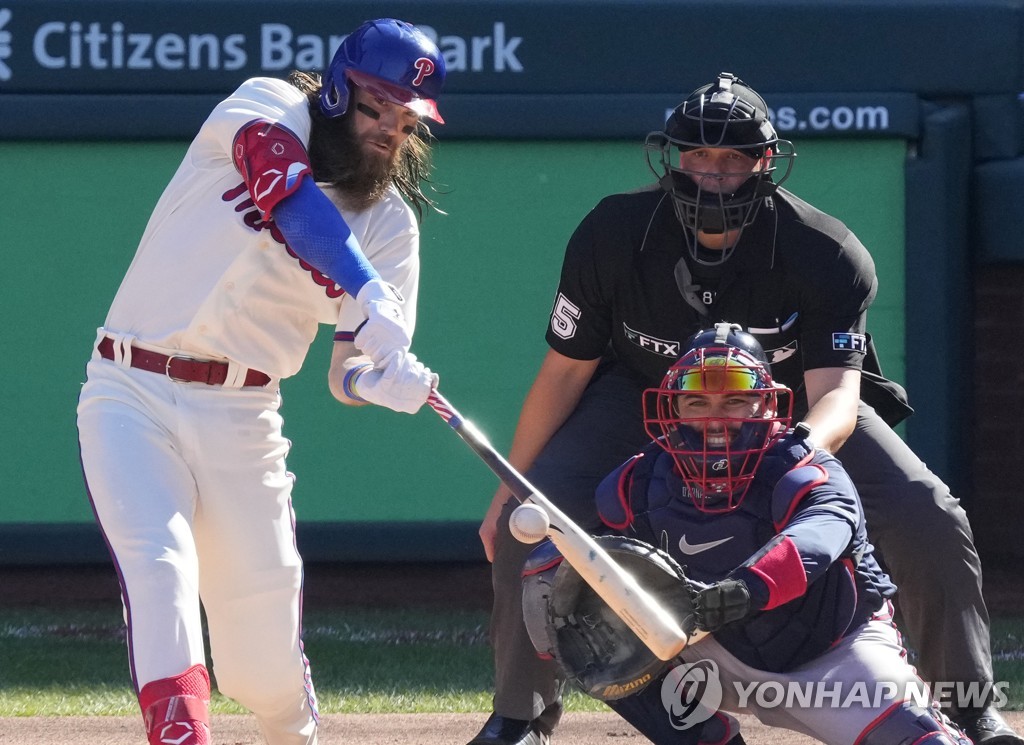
529 523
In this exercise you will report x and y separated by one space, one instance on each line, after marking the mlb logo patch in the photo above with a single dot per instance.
850 342
782 353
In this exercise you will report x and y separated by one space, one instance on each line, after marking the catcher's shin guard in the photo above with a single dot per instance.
912 724
176 710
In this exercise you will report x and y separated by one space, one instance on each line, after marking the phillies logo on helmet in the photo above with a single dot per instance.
425 68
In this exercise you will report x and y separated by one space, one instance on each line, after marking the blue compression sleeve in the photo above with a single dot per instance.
317 232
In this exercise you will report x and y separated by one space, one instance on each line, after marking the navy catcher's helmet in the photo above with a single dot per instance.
725 114
717 456
391 59
726 334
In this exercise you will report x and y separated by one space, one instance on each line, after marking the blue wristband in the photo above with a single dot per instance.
348 383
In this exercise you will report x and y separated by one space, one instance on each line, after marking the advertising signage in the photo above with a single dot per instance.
524 46
526 68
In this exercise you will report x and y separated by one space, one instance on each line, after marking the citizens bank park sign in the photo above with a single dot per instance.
514 69
58 45
120 51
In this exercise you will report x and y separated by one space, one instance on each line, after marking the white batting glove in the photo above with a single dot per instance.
385 330
403 385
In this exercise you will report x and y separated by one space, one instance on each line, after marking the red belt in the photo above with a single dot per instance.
181 368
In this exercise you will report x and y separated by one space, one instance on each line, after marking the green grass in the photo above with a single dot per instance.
368 661
1008 658
62 663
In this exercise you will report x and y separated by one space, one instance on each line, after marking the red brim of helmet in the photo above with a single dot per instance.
425 107
382 89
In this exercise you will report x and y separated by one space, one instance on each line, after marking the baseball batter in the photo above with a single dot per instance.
780 572
716 239
293 207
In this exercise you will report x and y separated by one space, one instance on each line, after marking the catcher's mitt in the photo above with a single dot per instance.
595 648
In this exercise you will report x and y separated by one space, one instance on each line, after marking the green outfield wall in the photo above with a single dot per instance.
907 115
75 211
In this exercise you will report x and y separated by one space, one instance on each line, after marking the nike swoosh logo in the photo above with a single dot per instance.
695 548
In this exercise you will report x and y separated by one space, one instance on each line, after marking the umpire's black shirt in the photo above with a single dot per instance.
799 280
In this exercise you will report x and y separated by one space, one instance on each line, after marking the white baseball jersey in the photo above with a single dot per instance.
213 279
189 483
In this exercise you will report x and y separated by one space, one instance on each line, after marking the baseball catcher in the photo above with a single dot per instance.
781 575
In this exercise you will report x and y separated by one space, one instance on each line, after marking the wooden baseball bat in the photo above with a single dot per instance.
654 625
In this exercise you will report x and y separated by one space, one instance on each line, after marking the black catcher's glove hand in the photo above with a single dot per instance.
720 603
785 454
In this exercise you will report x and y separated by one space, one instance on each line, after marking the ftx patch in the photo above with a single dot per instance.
850 342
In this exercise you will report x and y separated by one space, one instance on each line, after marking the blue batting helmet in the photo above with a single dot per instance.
391 59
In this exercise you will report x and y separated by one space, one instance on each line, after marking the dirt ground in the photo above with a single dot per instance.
465 585
367 729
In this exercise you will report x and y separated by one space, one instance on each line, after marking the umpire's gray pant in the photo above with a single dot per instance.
918 528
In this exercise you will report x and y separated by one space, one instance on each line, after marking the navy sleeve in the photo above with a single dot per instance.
823 521
816 512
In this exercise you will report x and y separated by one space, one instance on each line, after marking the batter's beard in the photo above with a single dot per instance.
339 158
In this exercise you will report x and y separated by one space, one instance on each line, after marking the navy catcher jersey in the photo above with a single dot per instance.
800 546
799 280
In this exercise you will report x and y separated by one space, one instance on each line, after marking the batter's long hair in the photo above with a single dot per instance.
330 151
